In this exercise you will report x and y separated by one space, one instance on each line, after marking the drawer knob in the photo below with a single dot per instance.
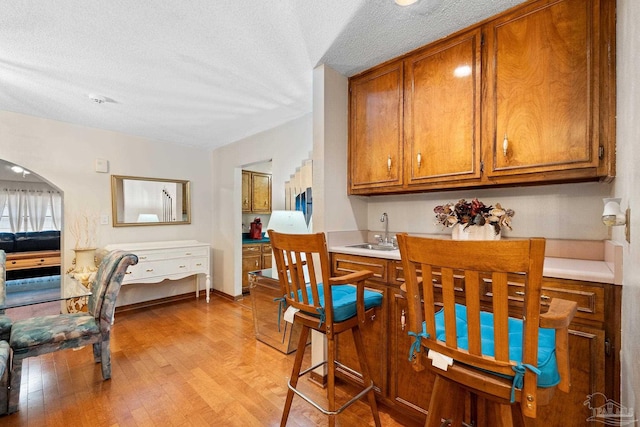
149 270
182 266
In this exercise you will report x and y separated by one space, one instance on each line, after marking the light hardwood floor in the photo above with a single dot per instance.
179 364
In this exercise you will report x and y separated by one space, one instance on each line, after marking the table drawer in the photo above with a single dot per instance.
199 265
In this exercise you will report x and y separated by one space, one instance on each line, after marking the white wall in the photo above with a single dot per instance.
568 211
288 146
626 187
64 154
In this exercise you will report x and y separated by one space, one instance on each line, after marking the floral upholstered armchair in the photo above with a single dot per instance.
40 335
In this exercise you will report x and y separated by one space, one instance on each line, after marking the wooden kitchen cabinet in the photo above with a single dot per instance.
255 256
256 192
594 342
375 129
547 86
374 332
537 107
442 111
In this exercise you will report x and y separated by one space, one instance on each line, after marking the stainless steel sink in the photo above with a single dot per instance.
373 246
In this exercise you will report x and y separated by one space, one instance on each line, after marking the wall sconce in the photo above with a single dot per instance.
612 214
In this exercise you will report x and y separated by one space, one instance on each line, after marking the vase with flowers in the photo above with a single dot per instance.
474 220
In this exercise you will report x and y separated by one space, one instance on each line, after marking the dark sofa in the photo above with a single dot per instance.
26 249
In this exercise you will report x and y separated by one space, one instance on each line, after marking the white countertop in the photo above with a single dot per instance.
561 268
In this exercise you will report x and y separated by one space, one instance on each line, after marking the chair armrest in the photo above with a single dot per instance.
351 278
558 317
560 314
358 279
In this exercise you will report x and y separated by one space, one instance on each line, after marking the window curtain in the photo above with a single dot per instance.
27 208
37 203
56 209
16 207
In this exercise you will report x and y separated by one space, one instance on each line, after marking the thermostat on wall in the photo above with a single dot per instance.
102 165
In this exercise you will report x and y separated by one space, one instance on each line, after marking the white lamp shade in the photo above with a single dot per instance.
290 222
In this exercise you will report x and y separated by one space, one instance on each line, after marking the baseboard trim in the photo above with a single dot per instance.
174 298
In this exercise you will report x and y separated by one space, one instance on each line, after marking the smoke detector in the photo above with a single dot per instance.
98 99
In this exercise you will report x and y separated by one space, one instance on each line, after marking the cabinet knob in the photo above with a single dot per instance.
403 320
389 163
505 145
419 159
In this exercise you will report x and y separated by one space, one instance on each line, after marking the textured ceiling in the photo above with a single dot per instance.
204 72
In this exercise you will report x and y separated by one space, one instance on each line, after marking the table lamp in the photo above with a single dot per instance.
290 222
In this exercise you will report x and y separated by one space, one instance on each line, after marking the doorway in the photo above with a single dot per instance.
30 224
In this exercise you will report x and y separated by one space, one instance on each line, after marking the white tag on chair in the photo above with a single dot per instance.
440 361
289 313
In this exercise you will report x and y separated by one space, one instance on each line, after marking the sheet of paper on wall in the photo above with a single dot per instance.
440 361
289 313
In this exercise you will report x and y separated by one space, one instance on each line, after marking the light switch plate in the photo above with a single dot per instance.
102 165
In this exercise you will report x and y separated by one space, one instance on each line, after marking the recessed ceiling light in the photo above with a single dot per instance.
405 2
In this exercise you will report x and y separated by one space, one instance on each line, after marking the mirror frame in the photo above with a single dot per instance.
116 195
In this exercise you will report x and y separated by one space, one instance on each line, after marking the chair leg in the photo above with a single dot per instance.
97 352
4 382
447 402
295 373
366 375
331 379
105 359
15 379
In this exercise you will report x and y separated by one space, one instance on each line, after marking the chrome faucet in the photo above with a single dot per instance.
385 218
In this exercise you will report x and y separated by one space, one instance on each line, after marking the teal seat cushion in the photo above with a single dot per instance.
547 363
344 301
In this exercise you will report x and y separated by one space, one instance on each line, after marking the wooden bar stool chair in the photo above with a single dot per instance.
331 307
498 368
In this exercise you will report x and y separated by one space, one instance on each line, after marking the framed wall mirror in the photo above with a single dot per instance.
149 201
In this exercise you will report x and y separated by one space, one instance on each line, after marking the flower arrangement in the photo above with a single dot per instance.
473 213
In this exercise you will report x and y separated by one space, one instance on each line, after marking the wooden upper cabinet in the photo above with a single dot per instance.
543 81
246 191
537 105
375 130
256 192
442 111
261 190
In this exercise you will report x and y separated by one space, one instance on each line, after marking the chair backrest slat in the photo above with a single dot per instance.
472 288
449 301
429 302
500 315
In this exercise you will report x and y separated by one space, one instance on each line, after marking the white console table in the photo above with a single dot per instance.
171 260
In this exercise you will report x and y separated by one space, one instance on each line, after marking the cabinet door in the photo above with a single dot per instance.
409 389
374 336
375 130
542 84
251 261
261 189
587 363
246 191
442 112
